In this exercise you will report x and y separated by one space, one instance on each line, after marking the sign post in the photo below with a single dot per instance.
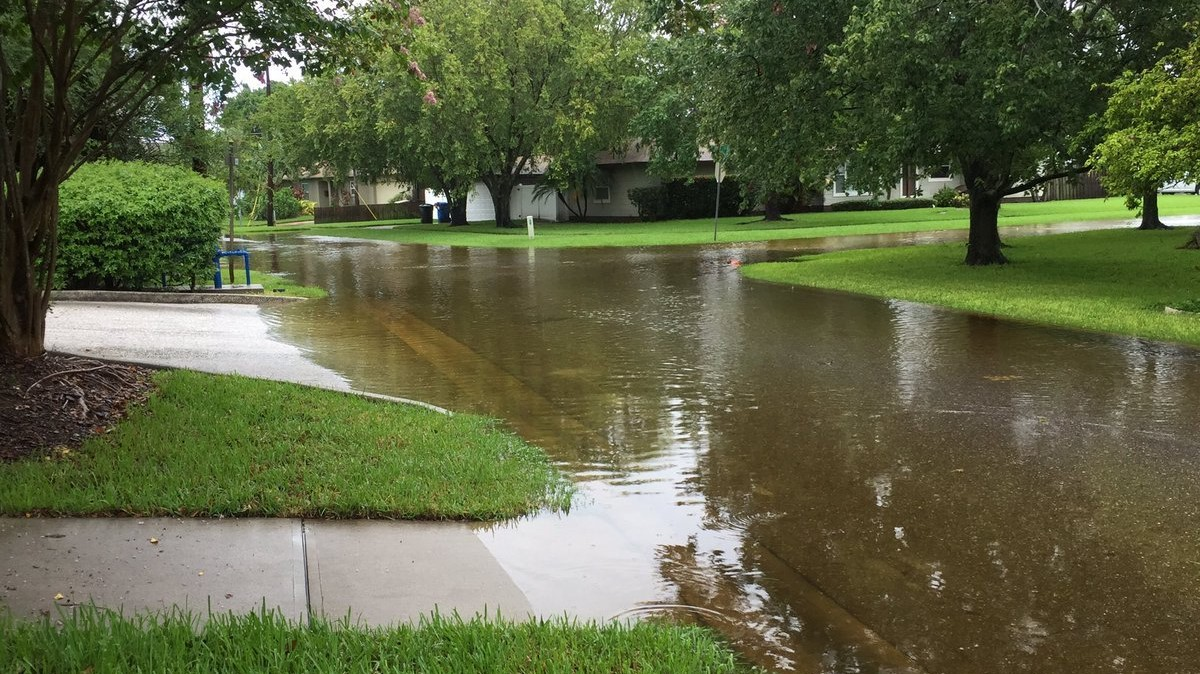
719 175
529 225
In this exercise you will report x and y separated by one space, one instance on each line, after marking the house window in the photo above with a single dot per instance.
841 183
942 172
601 194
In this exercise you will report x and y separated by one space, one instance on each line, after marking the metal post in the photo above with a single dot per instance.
229 243
270 160
717 215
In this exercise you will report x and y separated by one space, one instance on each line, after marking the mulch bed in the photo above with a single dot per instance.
57 401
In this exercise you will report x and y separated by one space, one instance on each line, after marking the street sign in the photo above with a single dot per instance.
719 171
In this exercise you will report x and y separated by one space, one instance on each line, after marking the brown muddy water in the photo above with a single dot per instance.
837 483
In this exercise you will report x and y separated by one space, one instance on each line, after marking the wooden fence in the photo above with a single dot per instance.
363 212
1086 186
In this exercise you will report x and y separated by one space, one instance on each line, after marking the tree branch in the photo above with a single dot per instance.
1030 184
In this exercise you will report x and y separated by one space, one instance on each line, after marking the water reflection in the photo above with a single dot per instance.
839 484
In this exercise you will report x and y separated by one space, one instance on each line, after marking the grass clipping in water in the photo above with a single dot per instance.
211 445
95 640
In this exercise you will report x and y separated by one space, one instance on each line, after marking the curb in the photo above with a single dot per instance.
169 297
348 391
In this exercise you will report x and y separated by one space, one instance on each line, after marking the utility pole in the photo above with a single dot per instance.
270 160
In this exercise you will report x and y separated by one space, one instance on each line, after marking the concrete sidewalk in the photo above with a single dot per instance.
376 572
218 338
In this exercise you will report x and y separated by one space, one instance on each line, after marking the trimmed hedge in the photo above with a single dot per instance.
906 204
679 200
126 224
857 205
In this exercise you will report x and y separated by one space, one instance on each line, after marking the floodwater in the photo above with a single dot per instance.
837 483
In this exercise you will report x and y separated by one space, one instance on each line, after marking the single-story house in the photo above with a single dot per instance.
321 187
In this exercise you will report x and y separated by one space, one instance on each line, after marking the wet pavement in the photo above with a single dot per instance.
837 483
372 572
218 338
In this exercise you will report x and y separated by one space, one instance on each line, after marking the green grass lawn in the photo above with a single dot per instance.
208 445
274 284
94 640
254 225
1114 281
739 229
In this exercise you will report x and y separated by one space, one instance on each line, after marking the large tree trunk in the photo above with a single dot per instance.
983 243
1150 219
458 212
771 209
501 187
29 253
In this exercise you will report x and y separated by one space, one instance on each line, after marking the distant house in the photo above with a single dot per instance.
523 202
912 183
624 172
321 187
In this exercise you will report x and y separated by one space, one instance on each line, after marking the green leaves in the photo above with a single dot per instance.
125 225
1155 125
1001 89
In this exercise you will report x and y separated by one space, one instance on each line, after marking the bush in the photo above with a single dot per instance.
948 197
856 205
286 205
307 207
905 204
686 200
125 224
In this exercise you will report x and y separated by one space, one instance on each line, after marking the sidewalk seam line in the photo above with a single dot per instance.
308 612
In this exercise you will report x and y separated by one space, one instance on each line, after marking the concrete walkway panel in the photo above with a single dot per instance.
151 564
382 573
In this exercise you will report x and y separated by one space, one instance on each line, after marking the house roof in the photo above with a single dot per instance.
639 154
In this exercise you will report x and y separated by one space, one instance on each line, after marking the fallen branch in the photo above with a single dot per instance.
59 374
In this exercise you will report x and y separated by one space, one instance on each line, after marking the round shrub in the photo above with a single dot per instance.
126 224
948 197
286 205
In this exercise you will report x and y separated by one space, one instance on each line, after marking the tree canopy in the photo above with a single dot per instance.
66 66
1155 120
516 84
1003 90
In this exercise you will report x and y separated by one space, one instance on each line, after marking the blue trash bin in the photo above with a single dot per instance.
443 211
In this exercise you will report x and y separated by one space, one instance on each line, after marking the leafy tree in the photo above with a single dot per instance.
268 136
1003 90
769 95
1156 120
1147 33
667 87
68 65
518 81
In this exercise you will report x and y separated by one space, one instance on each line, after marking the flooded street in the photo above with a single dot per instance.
837 483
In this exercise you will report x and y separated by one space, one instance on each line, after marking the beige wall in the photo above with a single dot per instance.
621 179
927 187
